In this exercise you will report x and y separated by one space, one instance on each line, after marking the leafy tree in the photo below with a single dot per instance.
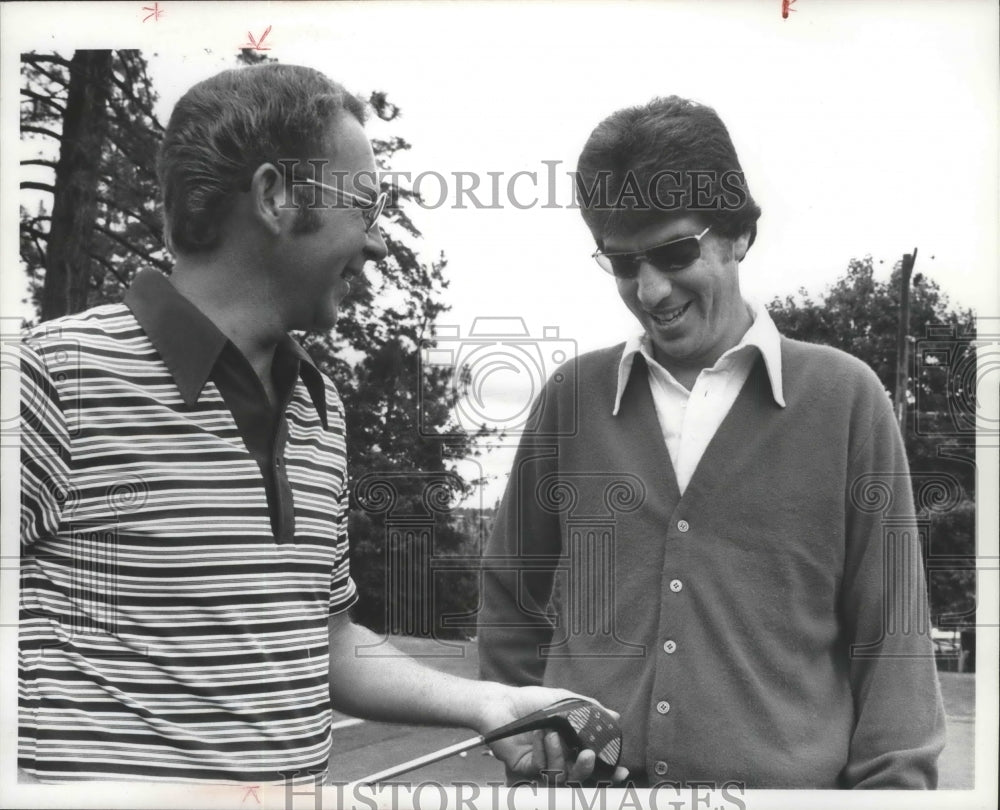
859 314
396 415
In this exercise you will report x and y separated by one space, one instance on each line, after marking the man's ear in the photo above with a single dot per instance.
742 243
268 203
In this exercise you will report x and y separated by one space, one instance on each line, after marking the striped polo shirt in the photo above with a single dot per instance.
165 632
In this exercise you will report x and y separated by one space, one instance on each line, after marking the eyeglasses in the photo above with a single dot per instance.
674 255
370 210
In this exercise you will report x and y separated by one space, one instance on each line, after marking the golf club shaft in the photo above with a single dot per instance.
419 762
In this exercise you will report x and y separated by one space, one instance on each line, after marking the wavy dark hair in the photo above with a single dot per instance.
623 168
225 127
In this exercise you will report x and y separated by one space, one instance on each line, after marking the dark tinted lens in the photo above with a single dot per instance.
676 255
673 256
626 266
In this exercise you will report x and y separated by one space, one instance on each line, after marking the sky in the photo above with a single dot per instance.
863 127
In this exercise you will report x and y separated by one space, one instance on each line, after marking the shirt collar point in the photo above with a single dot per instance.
190 393
633 346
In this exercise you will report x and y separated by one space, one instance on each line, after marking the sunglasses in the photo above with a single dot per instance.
670 256
370 210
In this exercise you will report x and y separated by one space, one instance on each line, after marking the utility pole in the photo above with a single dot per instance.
903 340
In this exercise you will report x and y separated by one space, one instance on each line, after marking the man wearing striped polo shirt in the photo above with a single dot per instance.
185 572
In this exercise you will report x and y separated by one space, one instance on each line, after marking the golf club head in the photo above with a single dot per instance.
580 723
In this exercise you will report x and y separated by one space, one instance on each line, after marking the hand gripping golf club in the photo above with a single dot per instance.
580 723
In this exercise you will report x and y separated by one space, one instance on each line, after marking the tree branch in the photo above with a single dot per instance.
109 267
35 234
48 100
127 87
151 225
129 246
30 184
40 131
37 61
127 151
39 162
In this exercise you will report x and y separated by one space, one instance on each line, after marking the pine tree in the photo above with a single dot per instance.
97 221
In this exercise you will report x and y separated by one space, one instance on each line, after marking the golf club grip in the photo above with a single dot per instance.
419 762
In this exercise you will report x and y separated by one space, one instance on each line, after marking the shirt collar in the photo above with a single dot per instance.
311 376
762 334
190 344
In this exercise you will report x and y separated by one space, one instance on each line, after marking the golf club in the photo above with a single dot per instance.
580 723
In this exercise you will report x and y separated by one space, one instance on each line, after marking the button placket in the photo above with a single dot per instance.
285 501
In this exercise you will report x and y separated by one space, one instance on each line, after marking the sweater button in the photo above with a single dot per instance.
683 525
676 585
663 707
669 646
660 768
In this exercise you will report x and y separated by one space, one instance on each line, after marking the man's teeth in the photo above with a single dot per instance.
671 316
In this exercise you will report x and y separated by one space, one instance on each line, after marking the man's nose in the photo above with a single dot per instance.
375 247
653 285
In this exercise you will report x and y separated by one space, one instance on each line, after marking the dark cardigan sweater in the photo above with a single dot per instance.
770 627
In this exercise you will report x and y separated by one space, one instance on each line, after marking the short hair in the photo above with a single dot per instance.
629 155
225 127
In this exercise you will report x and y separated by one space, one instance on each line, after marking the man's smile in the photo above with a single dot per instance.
668 316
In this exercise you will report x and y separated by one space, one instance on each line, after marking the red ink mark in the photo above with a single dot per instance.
786 6
156 12
251 791
258 45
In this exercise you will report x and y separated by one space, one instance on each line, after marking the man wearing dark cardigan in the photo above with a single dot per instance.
711 526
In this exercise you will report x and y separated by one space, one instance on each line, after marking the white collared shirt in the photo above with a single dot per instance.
689 419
